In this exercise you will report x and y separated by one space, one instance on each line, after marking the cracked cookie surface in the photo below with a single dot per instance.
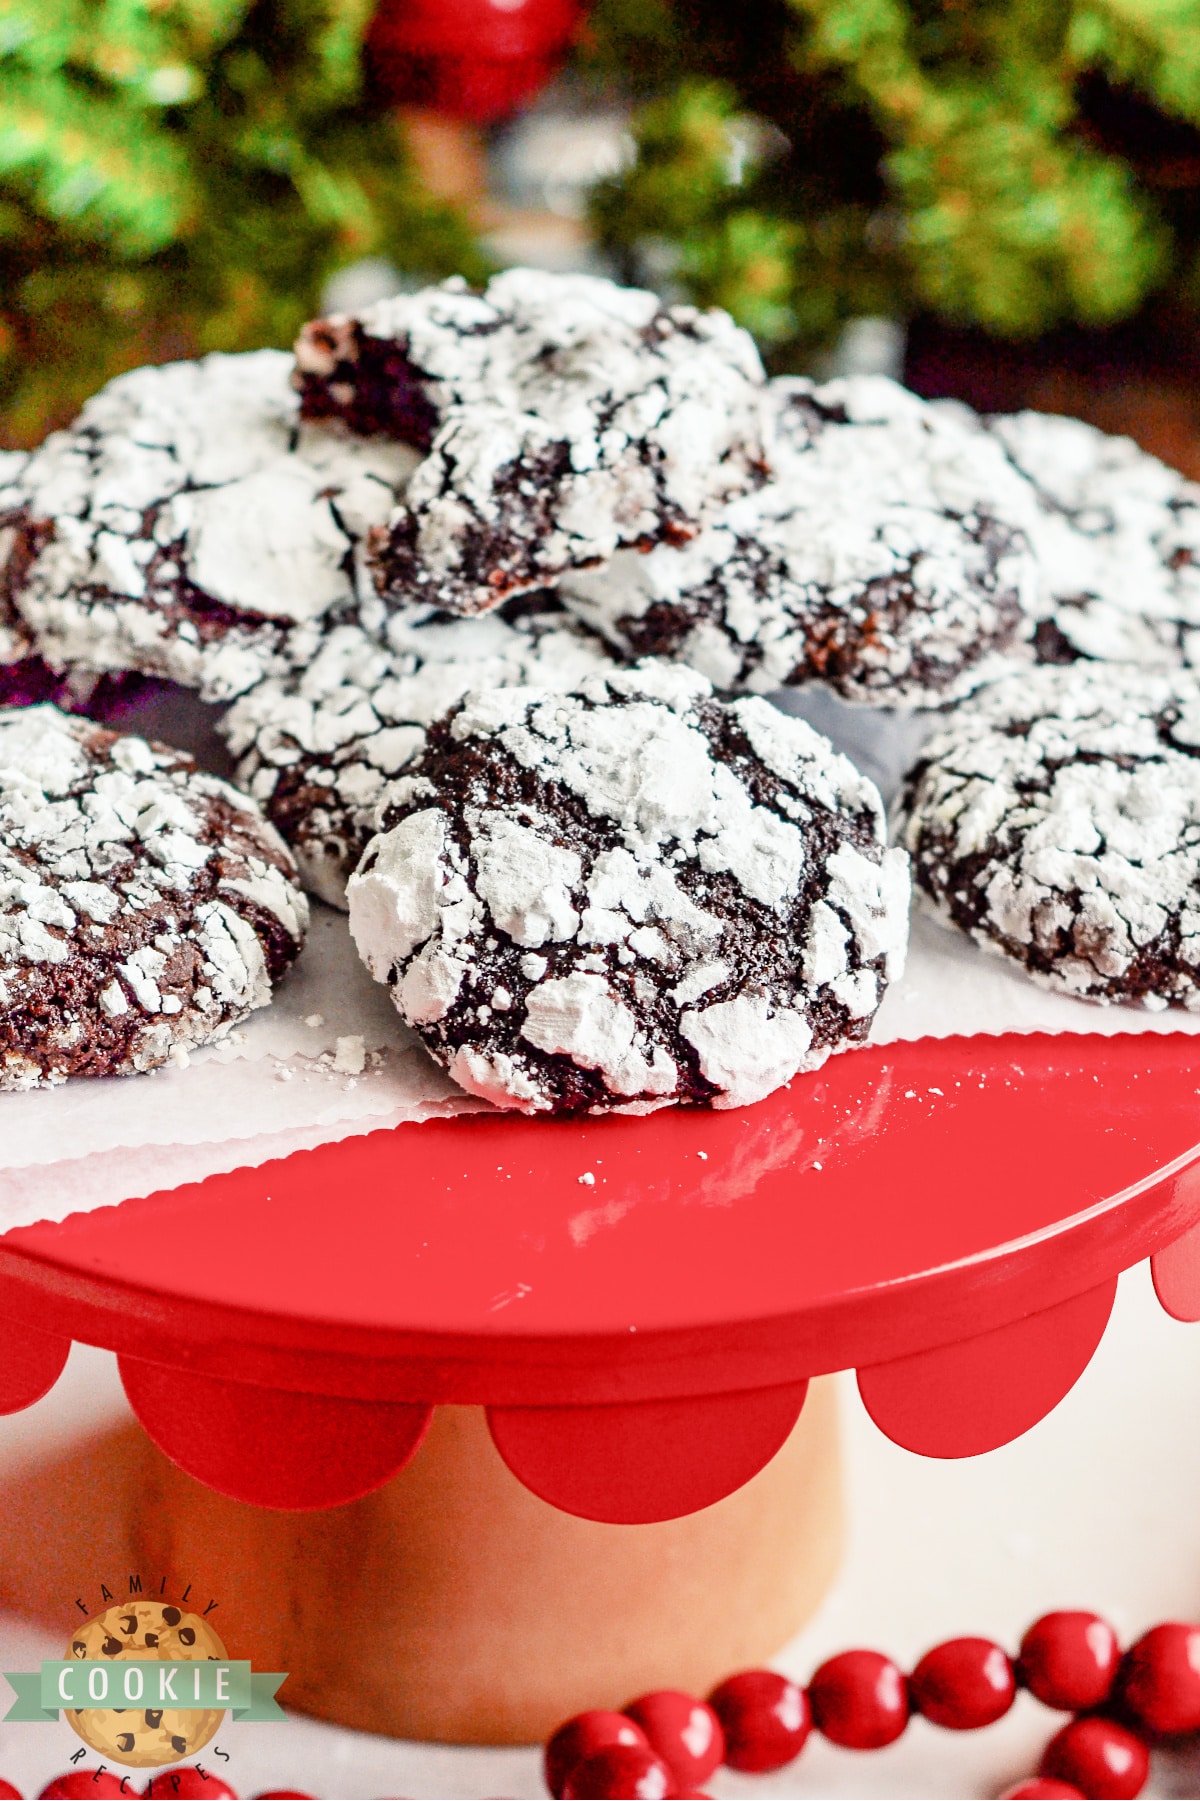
189 526
318 748
144 906
563 416
631 896
1116 536
881 560
1055 817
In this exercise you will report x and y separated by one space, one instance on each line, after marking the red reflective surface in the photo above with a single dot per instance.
897 1200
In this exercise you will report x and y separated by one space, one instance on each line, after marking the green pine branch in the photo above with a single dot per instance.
184 175
926 156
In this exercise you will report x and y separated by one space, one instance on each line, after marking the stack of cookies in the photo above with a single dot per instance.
491 588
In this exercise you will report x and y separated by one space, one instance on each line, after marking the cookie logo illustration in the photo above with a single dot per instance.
144 1735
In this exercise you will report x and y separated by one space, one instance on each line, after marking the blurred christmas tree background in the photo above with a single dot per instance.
1016 181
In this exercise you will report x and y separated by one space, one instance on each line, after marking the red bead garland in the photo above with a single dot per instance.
964 1684
759 1720
765 1718
1102 1759
684 1732
619 1770
90 1785
587 1733
1069 1660
1158 1683
859 1700
664 1745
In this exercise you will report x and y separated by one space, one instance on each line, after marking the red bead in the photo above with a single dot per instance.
619 1773
1159 1680
859 1700
1069 1660
578 1738
965 1683
1043 1788
1099 1757
187 1784
85 1785
765 1719
684 1732
8 1792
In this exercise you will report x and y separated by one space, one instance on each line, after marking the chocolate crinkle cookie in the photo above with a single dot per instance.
1116 536
563 416
630 896
16 640
144 907
1056 818
26 679
882 559
189 526
318 748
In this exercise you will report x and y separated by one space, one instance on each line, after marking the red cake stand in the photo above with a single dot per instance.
640 1303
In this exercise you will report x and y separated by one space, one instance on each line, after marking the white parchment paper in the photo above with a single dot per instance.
328 1059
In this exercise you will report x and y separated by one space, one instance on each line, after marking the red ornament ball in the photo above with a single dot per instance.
765 1719
8 1792
619 1773
469 59
84 1785
962 1684
1099 1757
1043 1788
684 1732
859 1700
596 1730
186 1784
1159 1680
1069 1660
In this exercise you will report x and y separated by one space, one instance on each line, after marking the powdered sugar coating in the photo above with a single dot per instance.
1056 818
318 748
881 559
16 642
143 906
630 896
25 679
188 526
565 416
1116 535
